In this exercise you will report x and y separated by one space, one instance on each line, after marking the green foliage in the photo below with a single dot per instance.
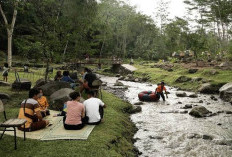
71 29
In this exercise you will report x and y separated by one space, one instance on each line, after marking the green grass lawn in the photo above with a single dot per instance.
111 138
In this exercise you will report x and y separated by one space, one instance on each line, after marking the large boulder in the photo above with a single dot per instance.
182 79
23 84
2 83
58 98
192 71
181 94
226 92
118 83
196 79
51 87
199 111
40 83
4 96
208 88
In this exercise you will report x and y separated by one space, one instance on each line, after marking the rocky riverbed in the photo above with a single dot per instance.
167 128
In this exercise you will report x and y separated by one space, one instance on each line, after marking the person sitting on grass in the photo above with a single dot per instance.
30 111
88 80
67 78
94 109
159 91
43 104
74 119
5 72
58 76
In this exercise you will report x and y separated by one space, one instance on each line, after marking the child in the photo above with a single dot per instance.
43 104
5 72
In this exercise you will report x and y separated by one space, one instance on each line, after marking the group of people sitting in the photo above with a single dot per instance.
75 114
85 83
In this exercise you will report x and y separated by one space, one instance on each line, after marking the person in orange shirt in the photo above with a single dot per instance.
159 91
43 104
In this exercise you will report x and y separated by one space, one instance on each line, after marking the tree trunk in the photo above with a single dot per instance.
47 70
196 58
10 30
9 48
65 49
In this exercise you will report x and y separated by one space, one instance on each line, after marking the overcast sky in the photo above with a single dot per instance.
149 7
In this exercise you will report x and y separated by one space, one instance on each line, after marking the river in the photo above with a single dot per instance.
165 129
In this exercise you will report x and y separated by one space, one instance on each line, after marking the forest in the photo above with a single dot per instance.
62 30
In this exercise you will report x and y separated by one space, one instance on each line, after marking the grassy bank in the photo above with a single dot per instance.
156 75
111 138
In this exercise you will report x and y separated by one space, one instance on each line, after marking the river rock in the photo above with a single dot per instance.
3 83
192 71
135 109
224 64
118 75
193 135
181 94
136 79
214 72
193 95
182 79
196 79
118 83
4 96
226 92
126 79
138 103
201 101
51 87
208 88
187 106
121 78
183 112
104 84
199 111
207 137
156 137
227 142
228 112
59 97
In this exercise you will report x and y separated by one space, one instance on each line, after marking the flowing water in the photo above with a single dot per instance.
164 129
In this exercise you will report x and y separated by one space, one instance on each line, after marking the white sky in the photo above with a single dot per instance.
149 7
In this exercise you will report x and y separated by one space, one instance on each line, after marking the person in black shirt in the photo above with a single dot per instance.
88 80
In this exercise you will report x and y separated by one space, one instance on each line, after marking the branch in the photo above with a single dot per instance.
3 15
14 16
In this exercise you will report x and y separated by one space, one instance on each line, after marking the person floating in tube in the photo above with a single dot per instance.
159 91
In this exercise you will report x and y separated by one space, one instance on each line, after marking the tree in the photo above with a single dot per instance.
9 26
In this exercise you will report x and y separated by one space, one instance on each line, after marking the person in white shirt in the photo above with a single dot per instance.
94 109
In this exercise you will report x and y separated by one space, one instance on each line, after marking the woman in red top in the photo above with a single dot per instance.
159 91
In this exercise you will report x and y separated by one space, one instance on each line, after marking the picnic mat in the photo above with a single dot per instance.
56 131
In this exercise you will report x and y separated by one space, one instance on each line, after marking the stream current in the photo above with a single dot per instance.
165 129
